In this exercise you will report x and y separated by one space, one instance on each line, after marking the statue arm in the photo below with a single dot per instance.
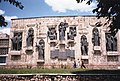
36 45
87 43
20 39
11 39
48 33
27 37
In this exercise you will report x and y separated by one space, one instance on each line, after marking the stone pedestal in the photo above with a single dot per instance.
39 60
97 48
15 53
29 48
84 57
112 53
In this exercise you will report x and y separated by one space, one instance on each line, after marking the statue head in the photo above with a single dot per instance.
30 30
95 29
61 24
41 41
109 35
19 34
83 37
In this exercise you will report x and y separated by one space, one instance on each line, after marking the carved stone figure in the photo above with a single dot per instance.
52 34
72 33
30 37
84 45
19 41
96 38
16 41
62 29
111 44
41 47
114 45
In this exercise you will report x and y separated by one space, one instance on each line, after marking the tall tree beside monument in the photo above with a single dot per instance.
14 3
110 9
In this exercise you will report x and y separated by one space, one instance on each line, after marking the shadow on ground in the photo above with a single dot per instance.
97 72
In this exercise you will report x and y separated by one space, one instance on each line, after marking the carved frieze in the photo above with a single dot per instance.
83 31
31 25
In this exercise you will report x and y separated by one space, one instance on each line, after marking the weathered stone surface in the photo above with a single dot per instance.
61 77
84 26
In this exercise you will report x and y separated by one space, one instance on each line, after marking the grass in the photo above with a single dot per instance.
36 70
56 70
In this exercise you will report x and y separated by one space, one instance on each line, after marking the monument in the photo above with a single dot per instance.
61 40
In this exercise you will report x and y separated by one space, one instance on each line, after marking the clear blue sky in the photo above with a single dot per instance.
38 8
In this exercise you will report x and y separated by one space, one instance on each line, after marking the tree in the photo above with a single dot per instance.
13 2
109 9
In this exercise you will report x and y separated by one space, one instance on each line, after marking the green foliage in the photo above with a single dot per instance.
109 9
14 3
2 21
88 2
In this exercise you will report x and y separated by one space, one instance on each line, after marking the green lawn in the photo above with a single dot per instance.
37 70
61 71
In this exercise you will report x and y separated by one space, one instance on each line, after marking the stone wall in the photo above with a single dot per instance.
84 26
60 77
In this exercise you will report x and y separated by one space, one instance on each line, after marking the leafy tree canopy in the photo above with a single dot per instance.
109 9
13 2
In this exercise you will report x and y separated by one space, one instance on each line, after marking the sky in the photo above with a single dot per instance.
40 8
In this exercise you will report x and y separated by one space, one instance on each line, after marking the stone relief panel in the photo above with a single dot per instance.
30 37
41 48
113 58
84 45
72 33
52 34
111 42
17 41
62 55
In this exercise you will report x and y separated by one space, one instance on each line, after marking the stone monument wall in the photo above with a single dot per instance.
61 40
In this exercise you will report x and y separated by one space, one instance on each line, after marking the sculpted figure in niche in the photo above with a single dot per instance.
17 41
14 42
111 44
96 38
62 29
52 34
30 37
41 47
114 45
72 33
84 45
